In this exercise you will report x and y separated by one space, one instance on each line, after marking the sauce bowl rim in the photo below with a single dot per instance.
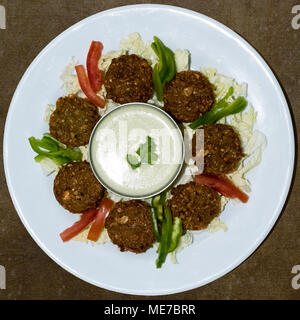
123 195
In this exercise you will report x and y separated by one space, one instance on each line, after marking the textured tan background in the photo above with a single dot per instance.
266 24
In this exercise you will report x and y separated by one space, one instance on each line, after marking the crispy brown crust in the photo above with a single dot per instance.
196 205
222 149
129 79
129 226
73 120
76 188
188 96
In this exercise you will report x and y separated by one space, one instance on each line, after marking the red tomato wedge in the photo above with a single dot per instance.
98 225
223 185
86 87
94 74
87 217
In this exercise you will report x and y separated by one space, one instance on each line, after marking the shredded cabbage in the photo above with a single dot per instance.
82 237
85 152
49 110
182 59
185 241
253 141
69 78
216 225
49 167
134 44
223 83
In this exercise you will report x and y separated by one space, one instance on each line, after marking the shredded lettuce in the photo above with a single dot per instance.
253 141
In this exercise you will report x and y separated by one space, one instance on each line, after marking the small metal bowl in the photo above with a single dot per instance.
105 184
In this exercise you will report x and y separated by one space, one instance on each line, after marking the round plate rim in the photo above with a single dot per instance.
222 28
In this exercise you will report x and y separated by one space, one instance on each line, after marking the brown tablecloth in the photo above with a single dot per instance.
266 24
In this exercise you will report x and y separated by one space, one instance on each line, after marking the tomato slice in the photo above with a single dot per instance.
86 87
223 185
94 74
98 225
87 217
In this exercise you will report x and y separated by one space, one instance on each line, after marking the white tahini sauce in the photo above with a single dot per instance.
121 132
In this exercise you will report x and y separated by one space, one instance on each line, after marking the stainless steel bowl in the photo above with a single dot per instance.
105 184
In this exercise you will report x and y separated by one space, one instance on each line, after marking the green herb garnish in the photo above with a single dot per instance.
133 161
145 154
146 151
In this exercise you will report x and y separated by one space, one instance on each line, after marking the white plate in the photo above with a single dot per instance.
211 255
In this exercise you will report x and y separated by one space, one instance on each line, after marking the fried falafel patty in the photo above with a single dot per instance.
73 120
129 226
76 188
197 205
129 79
222 149
188 96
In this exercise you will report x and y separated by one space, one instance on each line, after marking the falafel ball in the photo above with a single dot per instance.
222 149
188 96
73 120
197 205
76 188
129 79
129 226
